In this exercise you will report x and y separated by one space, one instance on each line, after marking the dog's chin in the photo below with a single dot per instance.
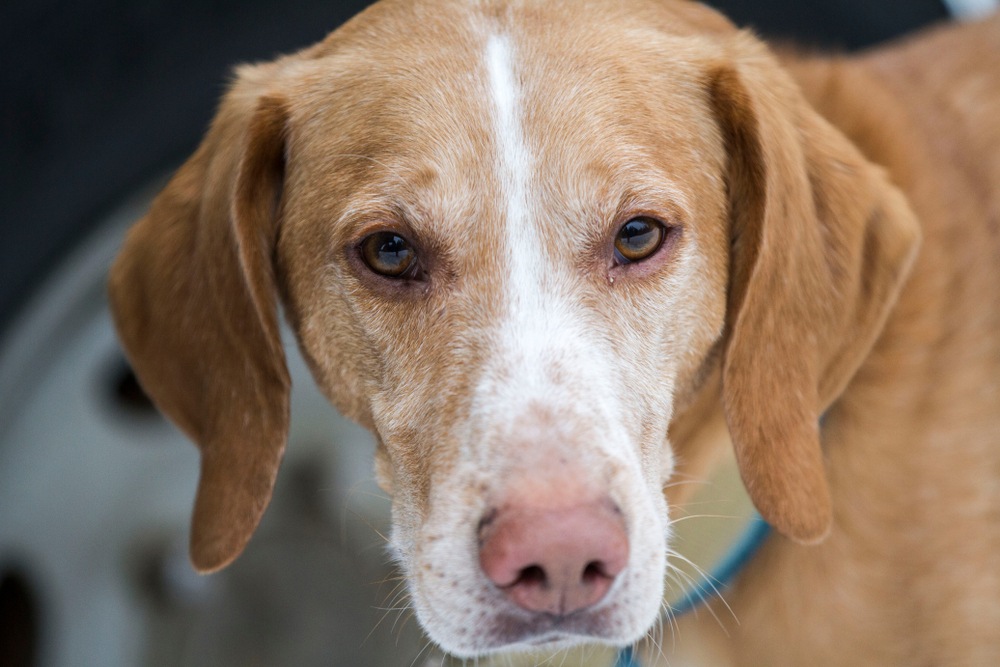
501 628
513 633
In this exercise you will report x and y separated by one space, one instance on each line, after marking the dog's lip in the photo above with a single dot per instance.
509 630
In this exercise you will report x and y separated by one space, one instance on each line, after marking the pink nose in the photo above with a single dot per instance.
554 561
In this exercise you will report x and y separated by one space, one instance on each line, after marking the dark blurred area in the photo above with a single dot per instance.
101 96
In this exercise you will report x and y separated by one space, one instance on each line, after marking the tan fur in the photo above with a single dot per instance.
909 576
800 195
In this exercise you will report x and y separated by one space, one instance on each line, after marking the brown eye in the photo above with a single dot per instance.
638 239
389 254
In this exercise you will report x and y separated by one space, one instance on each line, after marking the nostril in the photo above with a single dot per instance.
594 571
532 576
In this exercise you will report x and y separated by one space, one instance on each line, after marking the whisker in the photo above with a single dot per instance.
687 517
427 645
686 482
716 592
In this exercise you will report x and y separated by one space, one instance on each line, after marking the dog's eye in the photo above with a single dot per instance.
388 254
638 239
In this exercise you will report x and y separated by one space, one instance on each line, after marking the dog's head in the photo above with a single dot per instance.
515 242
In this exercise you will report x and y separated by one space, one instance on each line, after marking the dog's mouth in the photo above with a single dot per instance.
513 631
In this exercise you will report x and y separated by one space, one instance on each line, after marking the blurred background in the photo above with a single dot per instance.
100 100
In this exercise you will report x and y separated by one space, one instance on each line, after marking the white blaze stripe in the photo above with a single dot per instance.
539 324
508 128
524 323
513 166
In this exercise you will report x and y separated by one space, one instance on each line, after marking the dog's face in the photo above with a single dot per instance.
507 238
520 358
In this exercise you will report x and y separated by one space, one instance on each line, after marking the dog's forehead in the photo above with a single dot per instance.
415 125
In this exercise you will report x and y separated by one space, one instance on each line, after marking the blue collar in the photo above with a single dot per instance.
742 551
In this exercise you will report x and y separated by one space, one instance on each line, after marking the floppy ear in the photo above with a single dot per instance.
820 246
194 299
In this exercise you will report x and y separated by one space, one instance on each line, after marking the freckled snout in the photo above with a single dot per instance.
554 560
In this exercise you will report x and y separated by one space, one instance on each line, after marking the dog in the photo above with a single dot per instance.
547 252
